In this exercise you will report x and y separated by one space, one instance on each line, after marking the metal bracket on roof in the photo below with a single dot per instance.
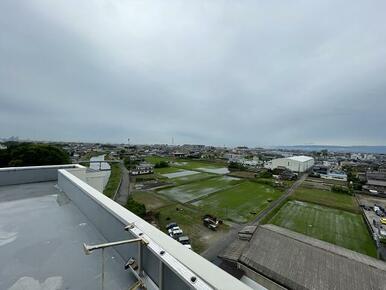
88 249
130 226
133 266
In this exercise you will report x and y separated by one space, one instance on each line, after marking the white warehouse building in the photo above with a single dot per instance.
294 163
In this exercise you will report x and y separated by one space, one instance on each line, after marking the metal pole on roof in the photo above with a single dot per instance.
103 268
88 249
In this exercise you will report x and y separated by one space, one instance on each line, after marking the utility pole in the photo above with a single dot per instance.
128 152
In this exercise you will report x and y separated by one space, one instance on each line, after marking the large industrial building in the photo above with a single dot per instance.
295 163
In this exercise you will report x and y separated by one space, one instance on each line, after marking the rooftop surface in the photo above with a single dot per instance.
41 237
300 262
301 158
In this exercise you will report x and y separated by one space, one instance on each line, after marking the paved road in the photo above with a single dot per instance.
215 249
123 191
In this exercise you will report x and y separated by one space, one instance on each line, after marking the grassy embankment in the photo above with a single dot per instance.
115 178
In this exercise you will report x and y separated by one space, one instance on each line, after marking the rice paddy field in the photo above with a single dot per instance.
192 178
240 203
180 173
205 187
197 165
167 170
339 227
187 164
196 193
198 189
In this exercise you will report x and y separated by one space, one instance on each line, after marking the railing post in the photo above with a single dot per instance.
160 275
139 262
103 269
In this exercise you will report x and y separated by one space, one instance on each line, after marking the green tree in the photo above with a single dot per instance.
28 154
236 166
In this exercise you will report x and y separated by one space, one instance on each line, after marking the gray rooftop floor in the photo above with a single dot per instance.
41 237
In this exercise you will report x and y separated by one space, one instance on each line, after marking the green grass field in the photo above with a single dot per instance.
335 226
327 198
198 189
156 159
237 203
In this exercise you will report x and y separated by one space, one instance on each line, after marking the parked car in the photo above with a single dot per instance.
173 229
185 241
175 234
210 224
383 220
171 225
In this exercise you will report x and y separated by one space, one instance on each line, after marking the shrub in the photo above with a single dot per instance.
265 181
135 207
161 164
265 174
340 189
236 166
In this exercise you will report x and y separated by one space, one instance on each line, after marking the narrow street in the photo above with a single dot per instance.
123 190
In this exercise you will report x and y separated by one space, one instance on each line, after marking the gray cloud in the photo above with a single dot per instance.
212 72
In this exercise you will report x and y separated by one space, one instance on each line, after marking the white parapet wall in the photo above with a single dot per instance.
166 262
29 174
94 178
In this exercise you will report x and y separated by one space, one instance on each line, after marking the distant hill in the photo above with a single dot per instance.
353 149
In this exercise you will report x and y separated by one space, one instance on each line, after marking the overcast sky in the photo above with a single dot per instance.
207 72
